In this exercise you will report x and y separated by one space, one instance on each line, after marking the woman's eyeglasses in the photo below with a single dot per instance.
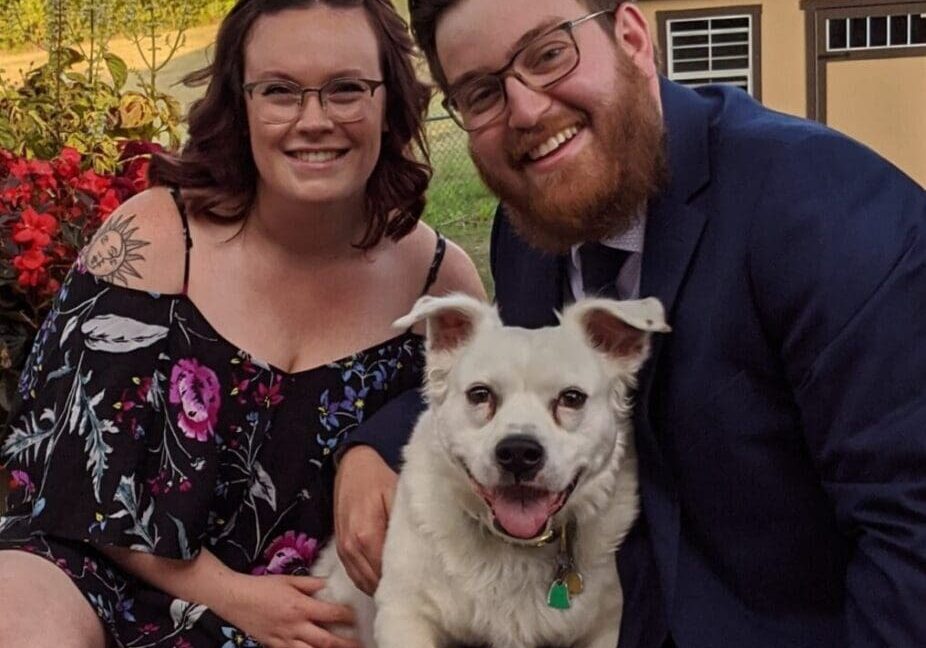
277 101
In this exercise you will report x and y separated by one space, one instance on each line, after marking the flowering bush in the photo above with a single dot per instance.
48 212
59 105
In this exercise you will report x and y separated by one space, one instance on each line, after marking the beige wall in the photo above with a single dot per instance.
880 102
783 50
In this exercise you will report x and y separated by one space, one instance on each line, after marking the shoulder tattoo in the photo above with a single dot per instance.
114 249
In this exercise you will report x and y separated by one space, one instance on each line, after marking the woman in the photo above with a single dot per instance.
218 340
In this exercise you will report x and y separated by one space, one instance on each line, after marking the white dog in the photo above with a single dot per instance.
519 482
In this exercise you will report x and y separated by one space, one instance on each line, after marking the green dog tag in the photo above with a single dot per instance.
558 596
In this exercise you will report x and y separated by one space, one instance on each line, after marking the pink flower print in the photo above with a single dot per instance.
124 405
289 554
149 628
269 396
195 388
19 479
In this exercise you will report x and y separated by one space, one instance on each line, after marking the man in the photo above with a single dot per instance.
781 426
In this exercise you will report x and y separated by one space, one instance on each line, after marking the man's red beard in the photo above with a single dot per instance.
604 194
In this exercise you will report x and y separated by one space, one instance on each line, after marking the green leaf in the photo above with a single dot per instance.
7 138
70 56
117 69
76 77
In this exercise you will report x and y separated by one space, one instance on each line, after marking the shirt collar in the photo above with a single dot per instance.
630 240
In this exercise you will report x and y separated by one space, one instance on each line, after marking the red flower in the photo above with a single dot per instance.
16 195
31 266
43 174
51 287
92 183
19 169
32 259
31 278
34 229
67 164
50 208
136 158
137 173
108 203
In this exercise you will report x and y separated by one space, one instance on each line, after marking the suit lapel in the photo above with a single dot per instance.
673 226
673 229
529 289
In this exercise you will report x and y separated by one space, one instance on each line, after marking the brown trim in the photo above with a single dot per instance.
818 12
810 55
814 5
754 11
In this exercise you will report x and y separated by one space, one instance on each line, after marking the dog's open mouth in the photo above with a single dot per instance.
523 511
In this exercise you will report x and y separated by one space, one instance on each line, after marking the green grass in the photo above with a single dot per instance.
459 205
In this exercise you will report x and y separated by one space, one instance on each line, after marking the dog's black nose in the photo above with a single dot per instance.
520 455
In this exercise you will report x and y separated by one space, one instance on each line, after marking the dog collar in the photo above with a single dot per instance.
567 579
548 535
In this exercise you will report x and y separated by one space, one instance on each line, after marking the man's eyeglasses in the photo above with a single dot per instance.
277 101
538 65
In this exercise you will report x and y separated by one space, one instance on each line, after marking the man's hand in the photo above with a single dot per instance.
363 491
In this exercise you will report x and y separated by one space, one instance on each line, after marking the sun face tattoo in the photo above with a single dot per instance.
113 250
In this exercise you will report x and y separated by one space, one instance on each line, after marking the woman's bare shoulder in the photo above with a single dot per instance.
141 245
457 272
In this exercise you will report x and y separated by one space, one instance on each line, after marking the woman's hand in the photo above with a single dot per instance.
363 492
280 612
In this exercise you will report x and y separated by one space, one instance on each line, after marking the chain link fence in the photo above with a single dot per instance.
459 204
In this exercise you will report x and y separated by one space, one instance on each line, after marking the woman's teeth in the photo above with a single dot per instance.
316 156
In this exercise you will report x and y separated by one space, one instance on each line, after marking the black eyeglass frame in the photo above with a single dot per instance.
505 71
371 84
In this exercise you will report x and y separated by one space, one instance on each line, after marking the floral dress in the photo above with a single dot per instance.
142 427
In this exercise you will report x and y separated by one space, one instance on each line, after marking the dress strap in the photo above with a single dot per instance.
188 240
439 250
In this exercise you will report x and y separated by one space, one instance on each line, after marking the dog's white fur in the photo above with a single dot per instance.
449 577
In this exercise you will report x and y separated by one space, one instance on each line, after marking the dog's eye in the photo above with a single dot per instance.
571 398
479 395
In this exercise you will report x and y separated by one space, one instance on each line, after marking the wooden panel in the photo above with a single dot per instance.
882 103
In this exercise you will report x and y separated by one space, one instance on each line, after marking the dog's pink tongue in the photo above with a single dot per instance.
523 518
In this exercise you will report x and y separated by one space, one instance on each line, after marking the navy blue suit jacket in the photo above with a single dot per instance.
781 426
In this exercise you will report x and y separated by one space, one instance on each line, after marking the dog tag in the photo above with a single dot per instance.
558 596
574 583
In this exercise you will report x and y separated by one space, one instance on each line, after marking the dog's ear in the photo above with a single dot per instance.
451 323
619 329
451 320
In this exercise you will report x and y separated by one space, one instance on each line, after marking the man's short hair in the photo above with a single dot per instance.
426 13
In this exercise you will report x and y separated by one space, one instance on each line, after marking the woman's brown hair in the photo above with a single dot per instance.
216 169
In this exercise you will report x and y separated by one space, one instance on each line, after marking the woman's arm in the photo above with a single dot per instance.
275 610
